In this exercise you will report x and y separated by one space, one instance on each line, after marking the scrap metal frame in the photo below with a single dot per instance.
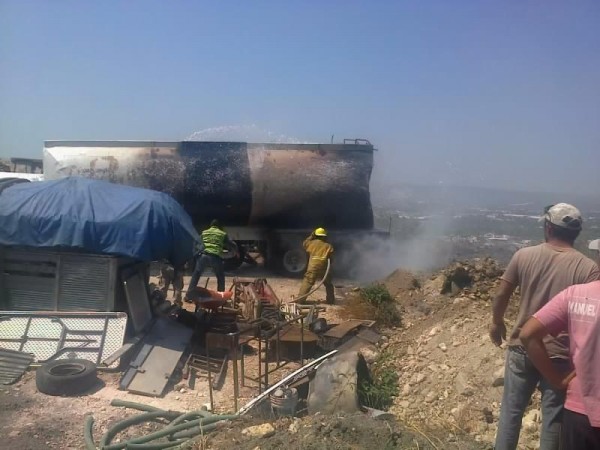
263 362
81 337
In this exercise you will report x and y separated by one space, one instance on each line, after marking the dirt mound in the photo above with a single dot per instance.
333 433
451 375
476 278
400 281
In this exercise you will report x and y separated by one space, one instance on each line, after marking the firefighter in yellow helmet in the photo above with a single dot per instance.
319 251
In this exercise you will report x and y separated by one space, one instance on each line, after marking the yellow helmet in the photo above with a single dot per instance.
320 232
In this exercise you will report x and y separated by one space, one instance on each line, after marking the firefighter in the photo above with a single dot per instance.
210 254
319 252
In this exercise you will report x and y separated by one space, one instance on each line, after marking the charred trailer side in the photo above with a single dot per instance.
268 196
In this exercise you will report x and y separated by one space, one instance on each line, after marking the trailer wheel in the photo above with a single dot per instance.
235 261
230 261
65 376
294 261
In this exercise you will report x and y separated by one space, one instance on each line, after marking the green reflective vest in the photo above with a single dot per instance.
213 239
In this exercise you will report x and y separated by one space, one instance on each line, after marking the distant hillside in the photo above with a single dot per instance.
412 198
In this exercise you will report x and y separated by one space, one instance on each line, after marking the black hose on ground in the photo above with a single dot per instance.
105 442
88 435
179 429
157 446
133 405
191 415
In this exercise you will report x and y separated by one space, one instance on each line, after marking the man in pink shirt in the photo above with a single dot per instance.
575 310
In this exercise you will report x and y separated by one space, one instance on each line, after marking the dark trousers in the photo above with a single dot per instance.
215 263
577 433
314 275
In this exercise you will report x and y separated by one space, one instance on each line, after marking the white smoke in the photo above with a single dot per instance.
242 133
373 257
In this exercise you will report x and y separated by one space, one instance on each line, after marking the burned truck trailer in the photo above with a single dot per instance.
269 196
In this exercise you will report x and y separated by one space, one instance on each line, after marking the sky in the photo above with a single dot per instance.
502 94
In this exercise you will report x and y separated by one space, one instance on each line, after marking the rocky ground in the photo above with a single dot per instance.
450 378
451 375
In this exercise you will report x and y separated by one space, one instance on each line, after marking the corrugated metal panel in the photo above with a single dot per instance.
83 283
13 364
43 280
29 280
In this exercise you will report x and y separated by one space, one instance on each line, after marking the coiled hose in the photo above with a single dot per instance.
304 296
180 427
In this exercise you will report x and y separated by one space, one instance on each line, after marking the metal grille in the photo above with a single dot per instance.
83 283
58 335
42 280
29 280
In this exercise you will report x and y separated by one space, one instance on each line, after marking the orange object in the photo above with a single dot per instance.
209 299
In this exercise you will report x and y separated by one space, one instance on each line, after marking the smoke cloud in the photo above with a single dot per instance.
372 257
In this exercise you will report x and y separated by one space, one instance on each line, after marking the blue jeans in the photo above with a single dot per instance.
520 380
202 263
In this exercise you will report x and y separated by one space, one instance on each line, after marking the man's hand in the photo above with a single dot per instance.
499 305
497 333
563 382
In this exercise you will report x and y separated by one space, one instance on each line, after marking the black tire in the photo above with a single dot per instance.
293 262
66 376
234 262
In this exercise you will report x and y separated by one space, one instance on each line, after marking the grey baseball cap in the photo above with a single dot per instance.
563 215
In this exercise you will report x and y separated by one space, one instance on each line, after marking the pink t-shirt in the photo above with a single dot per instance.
577 310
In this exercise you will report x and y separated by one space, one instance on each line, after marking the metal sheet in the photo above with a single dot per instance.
13 364
61 335
138 302
154 364
341 330
48 280
87 275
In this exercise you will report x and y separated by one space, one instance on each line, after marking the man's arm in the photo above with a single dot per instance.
499 305
308 240
532 335
231 245
198 247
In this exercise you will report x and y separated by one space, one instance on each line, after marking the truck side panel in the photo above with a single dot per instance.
263 185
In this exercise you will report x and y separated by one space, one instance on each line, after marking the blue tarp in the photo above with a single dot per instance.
98 217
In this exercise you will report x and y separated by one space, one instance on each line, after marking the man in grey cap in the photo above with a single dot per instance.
541 272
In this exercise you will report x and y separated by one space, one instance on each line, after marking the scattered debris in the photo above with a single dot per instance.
66 377
261 431
13 364
58 335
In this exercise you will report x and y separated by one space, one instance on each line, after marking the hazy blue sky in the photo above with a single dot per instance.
490 93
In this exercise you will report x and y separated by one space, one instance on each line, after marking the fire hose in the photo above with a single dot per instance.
180 428
304 296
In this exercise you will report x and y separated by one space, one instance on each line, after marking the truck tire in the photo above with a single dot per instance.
230 261
294 261
66 376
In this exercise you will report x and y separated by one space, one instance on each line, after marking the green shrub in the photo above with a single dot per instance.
379 390
385 310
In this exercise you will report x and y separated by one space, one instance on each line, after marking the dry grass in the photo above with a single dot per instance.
356 307
372 302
